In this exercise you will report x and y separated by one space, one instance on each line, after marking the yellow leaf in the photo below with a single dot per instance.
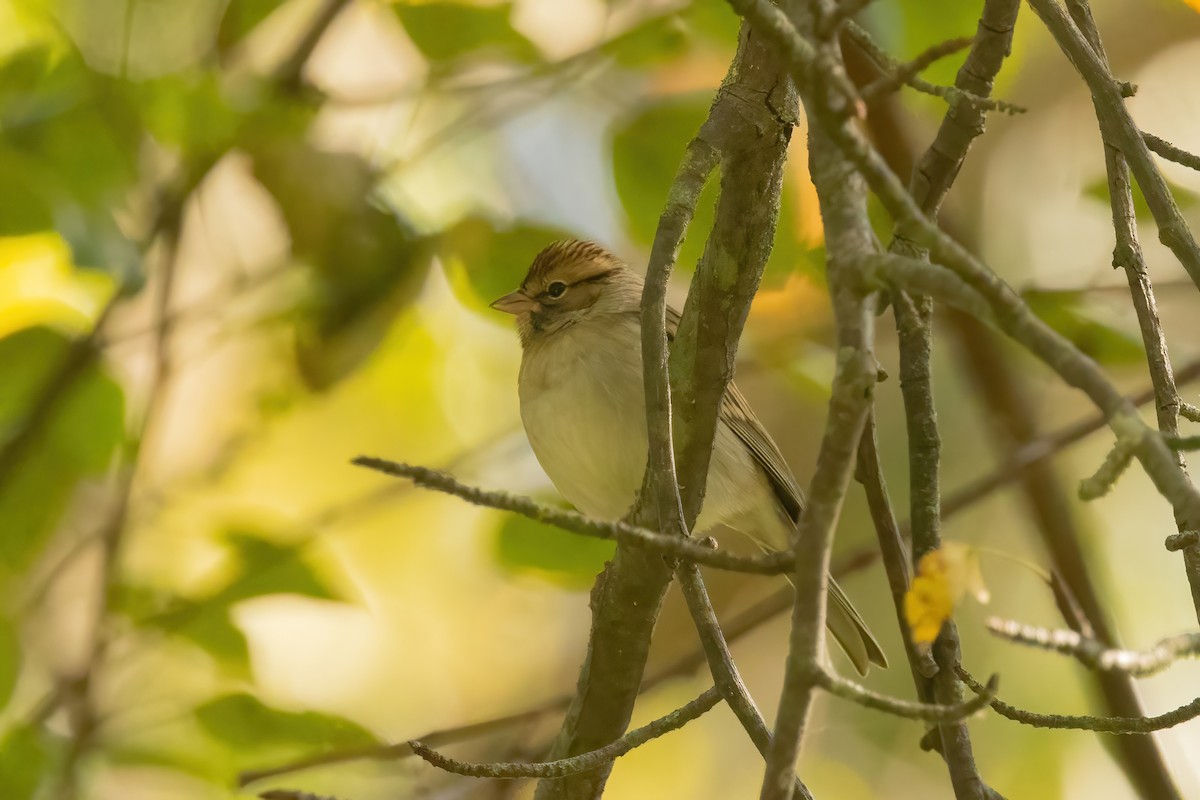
943 578
40 286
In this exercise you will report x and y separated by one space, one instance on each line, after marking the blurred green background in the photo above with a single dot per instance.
243 241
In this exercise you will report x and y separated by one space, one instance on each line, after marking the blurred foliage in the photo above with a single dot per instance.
1184 198
526 546
83 433
1070 314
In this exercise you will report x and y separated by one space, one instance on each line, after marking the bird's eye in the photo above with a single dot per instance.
556 289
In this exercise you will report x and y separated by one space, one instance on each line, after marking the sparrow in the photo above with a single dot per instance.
582 401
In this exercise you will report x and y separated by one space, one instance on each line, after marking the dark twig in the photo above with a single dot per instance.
676 546
722 667
1092 653
904 73
1120 725
1171 152
584 762
895 555
953 95
1179 541
290 794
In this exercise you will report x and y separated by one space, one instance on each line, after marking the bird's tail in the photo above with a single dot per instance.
851 632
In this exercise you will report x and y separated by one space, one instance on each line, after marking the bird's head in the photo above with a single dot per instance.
569 282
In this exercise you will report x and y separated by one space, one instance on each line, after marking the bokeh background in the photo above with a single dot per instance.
243 241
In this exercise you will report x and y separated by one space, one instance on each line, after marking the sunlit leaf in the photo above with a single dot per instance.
1184 198
87 427
1067 313
565 559
484 263
10 660
446 31
24 755
40 286
244 722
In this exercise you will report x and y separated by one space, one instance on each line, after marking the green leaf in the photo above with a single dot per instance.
565 559
260 568
1066 313
484 262
447 31
24 757
269 568
83 434
242 17
10 660
244 722
1184 198
646 155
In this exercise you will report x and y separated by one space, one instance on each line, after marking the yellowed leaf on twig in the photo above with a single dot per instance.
943 578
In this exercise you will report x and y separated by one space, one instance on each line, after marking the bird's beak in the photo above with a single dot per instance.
516 303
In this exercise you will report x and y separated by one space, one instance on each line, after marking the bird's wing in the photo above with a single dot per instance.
737 414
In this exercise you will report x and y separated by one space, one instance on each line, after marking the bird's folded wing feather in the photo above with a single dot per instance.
737 414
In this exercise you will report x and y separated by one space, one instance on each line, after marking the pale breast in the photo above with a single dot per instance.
583 407
583 410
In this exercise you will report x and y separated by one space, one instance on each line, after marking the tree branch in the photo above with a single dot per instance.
722 667
1094 654
584 762
675 546
1120 725
929 712
749 126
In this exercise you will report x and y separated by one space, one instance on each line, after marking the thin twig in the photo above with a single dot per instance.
929 712
1120 725
951 94
585 762
1092 653
904 73
1109 472
1031 453
676 546
1171 152
722 667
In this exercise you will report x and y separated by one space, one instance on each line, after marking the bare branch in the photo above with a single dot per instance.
1121 132
929 712
1171 152
1106 476
676 546
953 95
584 762
1120 725
722 667
904 73
1189 411
1139 663
1180 541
